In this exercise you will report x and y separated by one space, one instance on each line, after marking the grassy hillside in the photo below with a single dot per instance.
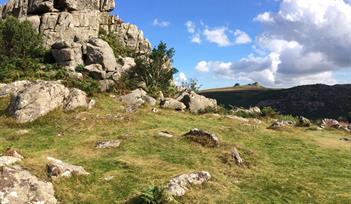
295 165
313 101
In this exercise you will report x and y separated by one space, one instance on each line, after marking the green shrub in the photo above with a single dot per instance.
19 40
152 70
269 112
155 195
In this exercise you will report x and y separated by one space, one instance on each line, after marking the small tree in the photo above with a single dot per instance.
191 85
154 70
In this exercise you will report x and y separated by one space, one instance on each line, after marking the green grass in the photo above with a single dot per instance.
288 166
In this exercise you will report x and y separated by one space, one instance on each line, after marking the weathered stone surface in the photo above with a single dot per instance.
251 111
179 185
95 71
100 52
41 97
202 137
135 98
150 100
37 100
108 144
77 99
197 103
68 54
58 168
13 88
170 103
281 124
18 186
8 160
40 6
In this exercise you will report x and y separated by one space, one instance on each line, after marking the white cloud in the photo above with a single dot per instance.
241 37
191 26
264 17
303 43
202 66
217 36
180 78
160 23
196 38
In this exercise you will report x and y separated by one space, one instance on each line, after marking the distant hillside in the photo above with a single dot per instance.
314 101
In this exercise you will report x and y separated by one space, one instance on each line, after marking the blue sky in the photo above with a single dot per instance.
279 43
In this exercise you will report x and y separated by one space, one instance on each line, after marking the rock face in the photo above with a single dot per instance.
197 103
202 137
41 97
18 186
57 168
71 28
179 185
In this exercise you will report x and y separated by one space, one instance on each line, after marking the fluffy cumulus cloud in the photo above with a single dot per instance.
221 36
303 43
241 37
160 23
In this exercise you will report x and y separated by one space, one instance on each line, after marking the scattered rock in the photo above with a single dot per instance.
108 178
155 110
281 124
253 111
303 122
108 144
346 139
78 99
330 123
179 185
22 132
57 168
241 119
170 103
204 138
197 103
18 186
236 156
165 134
150 100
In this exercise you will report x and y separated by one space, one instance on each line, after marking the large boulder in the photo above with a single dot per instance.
18 186
100 52
330 123
170 103
137 98
197 103
41 97
179 185
95 71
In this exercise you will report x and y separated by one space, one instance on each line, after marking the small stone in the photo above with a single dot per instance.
108 144
57 168
108 178
179 185
155 110
202 137
22 132
165 134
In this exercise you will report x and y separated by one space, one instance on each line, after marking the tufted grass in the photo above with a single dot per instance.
295 165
